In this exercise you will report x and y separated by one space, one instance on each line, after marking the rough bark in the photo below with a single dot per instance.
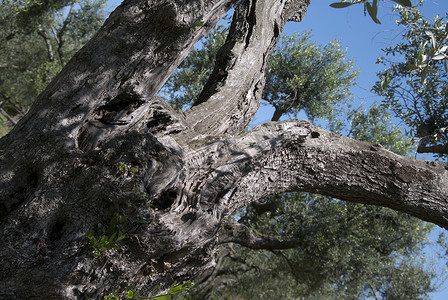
97 144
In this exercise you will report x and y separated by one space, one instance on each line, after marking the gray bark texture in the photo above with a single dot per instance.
98 145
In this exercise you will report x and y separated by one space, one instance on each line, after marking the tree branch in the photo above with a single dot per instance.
233 92
296 156
111 71
60 34
47 41
233 232
439 149
10 119
373 291
291 266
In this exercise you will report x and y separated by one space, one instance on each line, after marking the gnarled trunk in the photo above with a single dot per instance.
98 147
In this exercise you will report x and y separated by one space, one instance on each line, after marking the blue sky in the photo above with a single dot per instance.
364 40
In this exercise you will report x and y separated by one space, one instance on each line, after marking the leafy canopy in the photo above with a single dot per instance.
303 75
415 83
37 38
346 251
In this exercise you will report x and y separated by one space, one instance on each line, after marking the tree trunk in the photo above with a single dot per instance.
278 113
98 146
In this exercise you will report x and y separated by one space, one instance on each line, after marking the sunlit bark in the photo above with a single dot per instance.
98 144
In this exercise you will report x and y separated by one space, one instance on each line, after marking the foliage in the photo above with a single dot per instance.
346 252
415 84
299 76
302 75
175 289
375 125
370 7
37 38
112 296
125 168
28 14
103 239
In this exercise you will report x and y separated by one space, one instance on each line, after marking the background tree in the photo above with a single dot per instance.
37 39
304 76
345 250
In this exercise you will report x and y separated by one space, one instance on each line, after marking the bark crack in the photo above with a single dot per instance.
251 20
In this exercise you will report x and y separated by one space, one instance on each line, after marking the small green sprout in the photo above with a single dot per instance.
103 239
196 24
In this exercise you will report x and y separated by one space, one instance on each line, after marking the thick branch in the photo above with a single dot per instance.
122 66
296 156
233 92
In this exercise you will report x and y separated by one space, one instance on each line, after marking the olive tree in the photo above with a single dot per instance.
104 186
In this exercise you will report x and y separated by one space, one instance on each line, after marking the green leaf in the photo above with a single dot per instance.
111 238
196 24
341 4
175 289
424 74
431 37
117 220
411 67
373 10
439 56
420 56
404 2
120 236
130 294
162 297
